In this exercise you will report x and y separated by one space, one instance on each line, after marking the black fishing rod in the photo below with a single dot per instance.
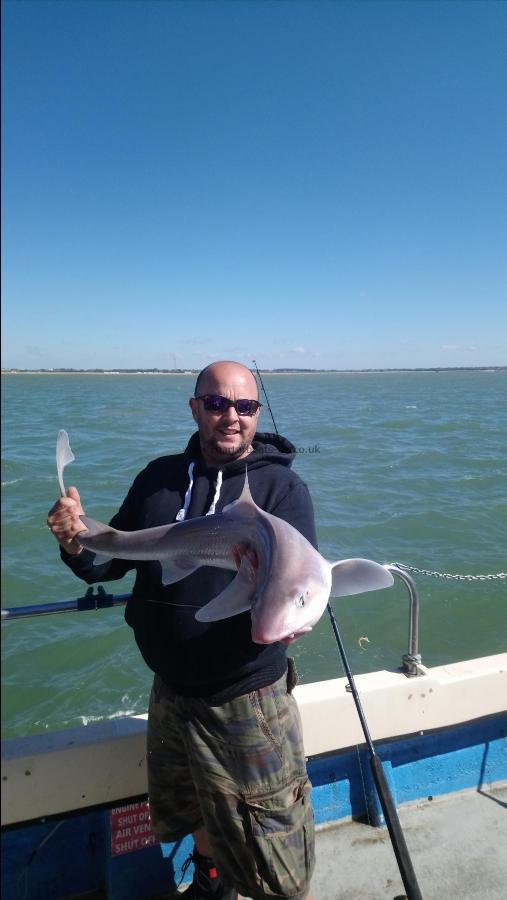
386 801
384 794
266 396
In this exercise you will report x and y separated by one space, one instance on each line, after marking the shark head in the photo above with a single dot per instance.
288 589
278 616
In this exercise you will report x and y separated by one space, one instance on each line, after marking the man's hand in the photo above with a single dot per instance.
64 522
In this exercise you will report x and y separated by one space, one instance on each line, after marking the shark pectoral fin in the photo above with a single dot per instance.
356 576
236 598
174 570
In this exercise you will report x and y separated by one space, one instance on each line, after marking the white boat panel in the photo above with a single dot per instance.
395 705
47 774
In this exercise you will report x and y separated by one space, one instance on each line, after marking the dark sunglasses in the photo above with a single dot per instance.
217 404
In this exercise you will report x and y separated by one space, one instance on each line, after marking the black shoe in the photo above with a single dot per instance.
207 884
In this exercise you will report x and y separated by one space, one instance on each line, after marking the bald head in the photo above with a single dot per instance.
226 372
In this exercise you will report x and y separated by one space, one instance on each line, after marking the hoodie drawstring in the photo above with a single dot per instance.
182 513
186 503
218 485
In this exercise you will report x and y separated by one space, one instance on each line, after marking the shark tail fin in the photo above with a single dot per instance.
64 456
356 576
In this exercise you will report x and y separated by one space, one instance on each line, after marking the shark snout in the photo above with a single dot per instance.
285 618
263 637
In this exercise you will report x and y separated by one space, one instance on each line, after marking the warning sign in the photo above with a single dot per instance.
131 828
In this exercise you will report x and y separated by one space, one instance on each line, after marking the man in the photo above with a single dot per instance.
225 755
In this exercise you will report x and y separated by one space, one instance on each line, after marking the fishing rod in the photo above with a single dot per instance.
398 842
400 848
265 394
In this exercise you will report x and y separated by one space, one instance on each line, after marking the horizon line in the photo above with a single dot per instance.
61 370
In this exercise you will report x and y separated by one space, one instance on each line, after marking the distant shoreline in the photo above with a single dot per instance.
194 372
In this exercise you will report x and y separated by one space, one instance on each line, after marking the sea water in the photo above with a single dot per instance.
402 467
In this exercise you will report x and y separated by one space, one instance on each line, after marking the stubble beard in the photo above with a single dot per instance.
211 449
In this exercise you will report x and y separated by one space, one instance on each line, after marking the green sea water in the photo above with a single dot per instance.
402 467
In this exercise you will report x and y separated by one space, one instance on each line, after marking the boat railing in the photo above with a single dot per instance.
411 661
90 601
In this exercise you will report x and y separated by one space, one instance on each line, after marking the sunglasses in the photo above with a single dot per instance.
217 404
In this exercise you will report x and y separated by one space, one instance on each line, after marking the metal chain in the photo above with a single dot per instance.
498 575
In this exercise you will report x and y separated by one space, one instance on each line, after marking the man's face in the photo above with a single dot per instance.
225 436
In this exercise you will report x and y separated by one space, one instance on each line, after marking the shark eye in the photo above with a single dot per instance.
300 601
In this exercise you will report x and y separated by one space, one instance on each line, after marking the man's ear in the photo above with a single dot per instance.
193 406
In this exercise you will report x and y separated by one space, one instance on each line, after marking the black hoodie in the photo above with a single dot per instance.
216 660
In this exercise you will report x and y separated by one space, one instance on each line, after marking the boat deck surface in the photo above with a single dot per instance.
457 843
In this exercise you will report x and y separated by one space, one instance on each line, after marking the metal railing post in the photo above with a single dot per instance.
411 660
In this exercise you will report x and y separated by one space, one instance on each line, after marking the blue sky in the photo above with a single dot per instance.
309 183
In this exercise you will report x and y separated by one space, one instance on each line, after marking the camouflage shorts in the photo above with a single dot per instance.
239 771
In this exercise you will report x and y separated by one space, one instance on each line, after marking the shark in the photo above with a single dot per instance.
280 578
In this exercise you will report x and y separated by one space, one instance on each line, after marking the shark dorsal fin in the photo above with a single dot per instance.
248 506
